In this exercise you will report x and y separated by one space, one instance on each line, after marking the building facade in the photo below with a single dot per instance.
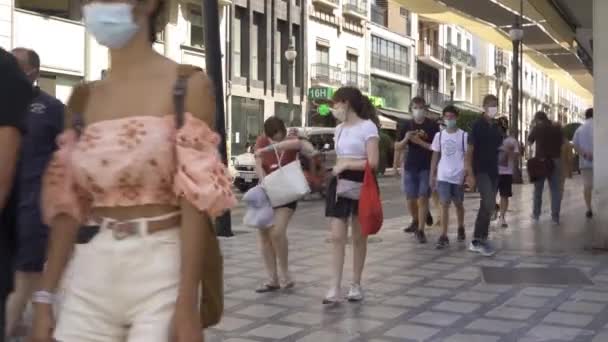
259 72
392 57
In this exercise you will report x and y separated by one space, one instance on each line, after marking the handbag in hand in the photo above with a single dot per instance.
286 184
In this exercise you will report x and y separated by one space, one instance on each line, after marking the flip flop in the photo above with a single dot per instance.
289 285
267 288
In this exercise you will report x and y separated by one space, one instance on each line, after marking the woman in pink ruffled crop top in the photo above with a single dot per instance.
149 180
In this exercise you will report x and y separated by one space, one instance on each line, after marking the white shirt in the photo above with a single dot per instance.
508 167
351 140
452 147
583 140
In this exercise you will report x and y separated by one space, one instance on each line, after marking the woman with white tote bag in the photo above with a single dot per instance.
276 155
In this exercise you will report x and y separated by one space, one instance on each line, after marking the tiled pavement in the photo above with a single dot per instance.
416 293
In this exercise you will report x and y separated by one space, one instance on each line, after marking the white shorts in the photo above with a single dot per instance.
121 290
587 178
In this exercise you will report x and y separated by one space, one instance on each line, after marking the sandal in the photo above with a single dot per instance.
289 285
267 288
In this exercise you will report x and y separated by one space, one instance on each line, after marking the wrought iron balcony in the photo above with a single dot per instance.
390 64
434 98
325 73
357 80
435 51
356 8
462 56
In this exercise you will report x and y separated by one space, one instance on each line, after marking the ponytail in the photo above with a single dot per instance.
368 111
359 103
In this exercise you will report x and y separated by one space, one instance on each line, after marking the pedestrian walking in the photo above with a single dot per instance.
141 161
583 144
15 95
448 173
273 149
417 136
44 122
548 137
508 153
357 143
482 157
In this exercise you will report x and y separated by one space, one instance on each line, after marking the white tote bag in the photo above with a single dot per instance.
286 184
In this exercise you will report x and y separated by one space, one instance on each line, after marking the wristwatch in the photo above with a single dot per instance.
43 297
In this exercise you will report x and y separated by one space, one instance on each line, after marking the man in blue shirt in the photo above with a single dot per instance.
482 158
583 144
43 123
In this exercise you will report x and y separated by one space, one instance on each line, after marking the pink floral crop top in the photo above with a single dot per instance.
136 161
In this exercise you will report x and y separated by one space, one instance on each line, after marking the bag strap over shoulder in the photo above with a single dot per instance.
184 72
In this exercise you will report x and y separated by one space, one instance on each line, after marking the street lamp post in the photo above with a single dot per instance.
290 55
213 62
516 34
452 89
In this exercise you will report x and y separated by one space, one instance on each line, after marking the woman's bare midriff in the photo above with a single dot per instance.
134 212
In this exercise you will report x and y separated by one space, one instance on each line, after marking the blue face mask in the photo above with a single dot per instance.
111 24
450 123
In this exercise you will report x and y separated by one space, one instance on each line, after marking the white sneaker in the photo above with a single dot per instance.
332 296
355 294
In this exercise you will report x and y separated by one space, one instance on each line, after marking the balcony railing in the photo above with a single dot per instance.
436 51
357 7
434 98
390 65
325 73
331 3
379 16
462 56
357 80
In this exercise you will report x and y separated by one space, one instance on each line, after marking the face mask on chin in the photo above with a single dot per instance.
111 24
339 112
491 112
418 113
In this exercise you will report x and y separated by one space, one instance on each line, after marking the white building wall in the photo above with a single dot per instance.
6 23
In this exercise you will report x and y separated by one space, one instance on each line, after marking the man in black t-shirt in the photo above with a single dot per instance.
415 138
485 140
15 95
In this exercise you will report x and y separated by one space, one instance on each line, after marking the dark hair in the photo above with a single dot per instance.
359 103
33 59
418 100
589 113
154 20
274 125
503 123
451 109
489 98
541 116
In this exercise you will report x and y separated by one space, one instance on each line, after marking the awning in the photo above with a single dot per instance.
467 15
393 115
467 106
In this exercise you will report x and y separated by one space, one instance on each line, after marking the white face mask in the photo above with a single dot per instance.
418 113
111 24
491 112
339 112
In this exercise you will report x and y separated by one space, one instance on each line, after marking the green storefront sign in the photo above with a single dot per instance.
326 93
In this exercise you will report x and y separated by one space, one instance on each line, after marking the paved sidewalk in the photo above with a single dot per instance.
417 293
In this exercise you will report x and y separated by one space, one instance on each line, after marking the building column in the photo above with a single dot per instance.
463 82
600 129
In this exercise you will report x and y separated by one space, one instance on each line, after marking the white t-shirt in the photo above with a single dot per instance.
452 147
583 139
351 140
506 165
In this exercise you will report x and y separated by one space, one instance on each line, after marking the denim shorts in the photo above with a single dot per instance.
416 184
449 192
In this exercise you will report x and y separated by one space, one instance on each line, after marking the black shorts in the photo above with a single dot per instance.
291 205
505 185
340 207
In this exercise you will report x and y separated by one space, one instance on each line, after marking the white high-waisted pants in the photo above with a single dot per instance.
121 290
